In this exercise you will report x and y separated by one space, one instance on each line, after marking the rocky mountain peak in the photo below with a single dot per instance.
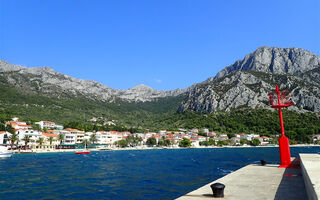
141 87
247 82
275 60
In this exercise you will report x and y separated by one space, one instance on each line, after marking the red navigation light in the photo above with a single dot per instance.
278 100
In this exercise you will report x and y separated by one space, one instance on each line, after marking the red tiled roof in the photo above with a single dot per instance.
50 134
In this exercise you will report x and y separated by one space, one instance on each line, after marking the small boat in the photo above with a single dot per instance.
4 153
84 151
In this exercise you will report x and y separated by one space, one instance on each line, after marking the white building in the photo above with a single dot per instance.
49 125
34 136
4 135
108 138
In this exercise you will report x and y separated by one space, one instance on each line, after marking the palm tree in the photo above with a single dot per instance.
61 138
13 138
93 138
85 143
26 140
51 140
40 141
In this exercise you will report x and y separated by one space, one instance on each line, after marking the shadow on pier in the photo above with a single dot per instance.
292 184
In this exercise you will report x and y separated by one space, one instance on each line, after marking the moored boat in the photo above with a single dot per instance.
4 152
84 151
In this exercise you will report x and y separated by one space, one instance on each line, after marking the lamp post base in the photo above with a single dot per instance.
284 152
286 166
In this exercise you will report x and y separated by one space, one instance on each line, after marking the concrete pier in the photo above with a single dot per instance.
257 182
310 167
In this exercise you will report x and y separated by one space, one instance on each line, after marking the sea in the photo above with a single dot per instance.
128 174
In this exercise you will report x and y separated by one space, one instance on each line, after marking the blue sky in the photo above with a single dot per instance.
165 44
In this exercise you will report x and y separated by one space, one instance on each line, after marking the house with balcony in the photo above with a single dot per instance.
33 134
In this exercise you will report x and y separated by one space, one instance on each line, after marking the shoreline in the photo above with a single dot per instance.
150 148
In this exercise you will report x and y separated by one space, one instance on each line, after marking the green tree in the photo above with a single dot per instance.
185 142
51 139
93 138
122 143
61 138
36 127
167 142
243 141
222 143
85 143
161 143
13 138
211 142
26 140
40 141
255 142
10 129
151 141
133 140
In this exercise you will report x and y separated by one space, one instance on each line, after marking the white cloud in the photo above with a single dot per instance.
158 80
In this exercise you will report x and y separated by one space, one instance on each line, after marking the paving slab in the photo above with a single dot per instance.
257 182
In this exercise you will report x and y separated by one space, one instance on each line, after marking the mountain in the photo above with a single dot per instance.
45 81
42 93
247 82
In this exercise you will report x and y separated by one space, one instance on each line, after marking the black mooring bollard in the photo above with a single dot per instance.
217 189
263 162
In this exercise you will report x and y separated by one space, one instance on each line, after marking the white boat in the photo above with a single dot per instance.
4 152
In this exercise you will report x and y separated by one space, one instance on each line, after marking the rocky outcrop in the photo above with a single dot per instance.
247 82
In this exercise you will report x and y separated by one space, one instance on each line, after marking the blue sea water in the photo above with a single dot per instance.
132 174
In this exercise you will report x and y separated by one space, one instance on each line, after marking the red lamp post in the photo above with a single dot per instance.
278 100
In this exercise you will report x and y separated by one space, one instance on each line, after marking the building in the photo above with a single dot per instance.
108 138
211 134
235 140
46 141
223 137
4 137
49 125
33 134
19 125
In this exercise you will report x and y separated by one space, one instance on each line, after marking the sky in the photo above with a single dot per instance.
165 44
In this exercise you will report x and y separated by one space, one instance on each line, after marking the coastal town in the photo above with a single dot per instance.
50 136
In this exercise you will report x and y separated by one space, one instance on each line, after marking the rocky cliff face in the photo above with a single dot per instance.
247 82
44 80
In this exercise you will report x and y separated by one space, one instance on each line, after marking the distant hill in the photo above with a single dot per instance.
47 82
42 93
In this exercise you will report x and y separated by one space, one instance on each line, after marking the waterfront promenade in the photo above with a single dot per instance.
268 182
